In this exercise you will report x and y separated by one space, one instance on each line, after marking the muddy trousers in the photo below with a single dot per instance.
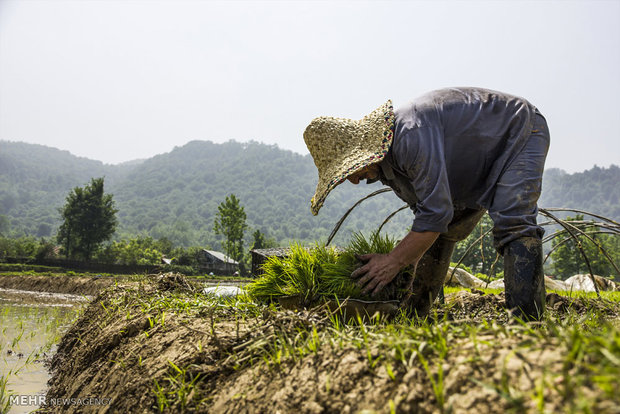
432 268
524 278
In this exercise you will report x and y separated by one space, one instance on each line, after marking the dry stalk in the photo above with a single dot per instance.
612 227
344 217
569 228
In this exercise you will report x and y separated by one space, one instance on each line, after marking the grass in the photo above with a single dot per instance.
178 388
5 394
591 356
27 270
36 270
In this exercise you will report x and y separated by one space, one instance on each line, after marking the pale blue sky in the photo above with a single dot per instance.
119 80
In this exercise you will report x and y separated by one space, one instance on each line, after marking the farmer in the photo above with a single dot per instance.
451 154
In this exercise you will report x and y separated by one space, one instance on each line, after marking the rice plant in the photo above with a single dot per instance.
318 271
297 274
5 393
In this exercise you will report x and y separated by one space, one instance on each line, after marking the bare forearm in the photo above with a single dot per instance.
412 247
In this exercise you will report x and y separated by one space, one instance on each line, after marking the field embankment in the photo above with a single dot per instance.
56 283
87 284
162 345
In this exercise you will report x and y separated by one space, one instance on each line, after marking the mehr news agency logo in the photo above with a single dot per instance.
39 400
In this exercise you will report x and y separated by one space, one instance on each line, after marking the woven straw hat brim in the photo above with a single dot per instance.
341 147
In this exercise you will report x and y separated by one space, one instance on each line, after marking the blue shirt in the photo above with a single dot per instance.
449 149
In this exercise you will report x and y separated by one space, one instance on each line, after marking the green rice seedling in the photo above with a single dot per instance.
392 406
18 338
372 361
181 387
319 271
5 394
314 343
437 382
160 396
538 395
390 371
591 356
303 272
272 281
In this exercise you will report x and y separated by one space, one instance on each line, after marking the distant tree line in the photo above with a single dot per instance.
177 197
89 221
595 190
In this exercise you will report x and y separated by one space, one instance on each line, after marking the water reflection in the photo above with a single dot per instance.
31 323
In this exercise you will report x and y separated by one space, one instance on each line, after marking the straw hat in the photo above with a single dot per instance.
341 147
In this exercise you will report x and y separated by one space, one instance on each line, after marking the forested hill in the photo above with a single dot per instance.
596 190
176 194
34 181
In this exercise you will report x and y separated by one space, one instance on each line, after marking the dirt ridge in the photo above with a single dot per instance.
130 350
76 285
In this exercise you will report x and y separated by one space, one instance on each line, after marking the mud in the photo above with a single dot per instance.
75 285
115 354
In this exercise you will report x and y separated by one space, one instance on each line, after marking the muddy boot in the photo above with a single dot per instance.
429 277
433 266
524 278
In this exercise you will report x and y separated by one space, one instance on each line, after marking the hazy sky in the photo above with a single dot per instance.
119 80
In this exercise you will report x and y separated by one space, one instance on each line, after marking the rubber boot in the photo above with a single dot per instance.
433 267
524 278
418 293
429 278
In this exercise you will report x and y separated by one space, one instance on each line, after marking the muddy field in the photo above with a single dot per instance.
161 345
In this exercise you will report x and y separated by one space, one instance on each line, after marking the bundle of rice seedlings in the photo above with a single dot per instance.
336 279
296 274
319 271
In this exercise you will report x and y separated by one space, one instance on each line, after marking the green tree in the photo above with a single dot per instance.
4 225
89 219
567 260
600 263
45 250
230 222
140 250
261 241
24 246
482 257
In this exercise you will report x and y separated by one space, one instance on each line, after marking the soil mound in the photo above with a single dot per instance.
75 285
161 345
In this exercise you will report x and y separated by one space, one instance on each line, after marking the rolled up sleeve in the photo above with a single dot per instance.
421 156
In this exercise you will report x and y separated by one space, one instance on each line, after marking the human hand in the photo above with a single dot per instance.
376 273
